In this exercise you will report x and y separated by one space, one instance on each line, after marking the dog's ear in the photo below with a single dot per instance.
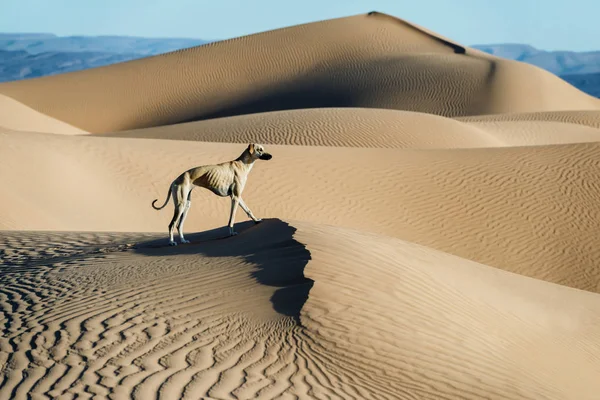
251 148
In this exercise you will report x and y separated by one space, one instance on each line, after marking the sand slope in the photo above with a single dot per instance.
437 326
580 117
373 61
539 202
17 116
223 318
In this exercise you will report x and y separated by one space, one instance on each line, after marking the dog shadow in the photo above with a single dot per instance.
270 246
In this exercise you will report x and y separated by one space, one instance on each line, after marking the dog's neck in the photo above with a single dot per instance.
246 159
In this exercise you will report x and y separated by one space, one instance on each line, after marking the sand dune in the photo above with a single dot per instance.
223 318
541 202
363 127
431 216
345 127
370 61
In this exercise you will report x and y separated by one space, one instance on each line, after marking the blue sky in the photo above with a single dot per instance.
547 24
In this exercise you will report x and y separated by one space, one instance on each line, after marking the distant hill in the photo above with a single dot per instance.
36 43
589 83
580 69
30 55
15 65
557 62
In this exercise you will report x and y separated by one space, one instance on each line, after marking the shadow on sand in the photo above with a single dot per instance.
270 246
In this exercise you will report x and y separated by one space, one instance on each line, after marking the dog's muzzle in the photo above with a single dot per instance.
265 156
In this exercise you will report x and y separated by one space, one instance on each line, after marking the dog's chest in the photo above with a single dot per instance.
222 191
221 182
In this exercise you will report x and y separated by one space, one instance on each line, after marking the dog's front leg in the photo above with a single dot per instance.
248 211
234 204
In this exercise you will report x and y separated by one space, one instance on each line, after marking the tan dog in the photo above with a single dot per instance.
224 179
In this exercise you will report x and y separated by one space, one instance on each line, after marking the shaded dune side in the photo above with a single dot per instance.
367 127
19 117
539 202
416 323
365 61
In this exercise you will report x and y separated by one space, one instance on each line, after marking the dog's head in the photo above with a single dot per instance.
257 151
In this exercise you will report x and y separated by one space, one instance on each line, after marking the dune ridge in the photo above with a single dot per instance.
430 224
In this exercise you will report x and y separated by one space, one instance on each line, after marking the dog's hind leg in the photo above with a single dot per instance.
188 204
180 203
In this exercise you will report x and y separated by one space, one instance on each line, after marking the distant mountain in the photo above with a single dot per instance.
16 65
30 55
589 83
36 43
557 62
17 36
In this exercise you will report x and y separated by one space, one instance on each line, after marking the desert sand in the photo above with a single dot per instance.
17 116
430 226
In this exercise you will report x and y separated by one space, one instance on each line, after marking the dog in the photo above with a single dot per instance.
226 179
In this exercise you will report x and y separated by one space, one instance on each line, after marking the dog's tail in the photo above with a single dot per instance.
166 201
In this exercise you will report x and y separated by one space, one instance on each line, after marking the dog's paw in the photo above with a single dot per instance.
233 233
172 244
184 241
257 221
